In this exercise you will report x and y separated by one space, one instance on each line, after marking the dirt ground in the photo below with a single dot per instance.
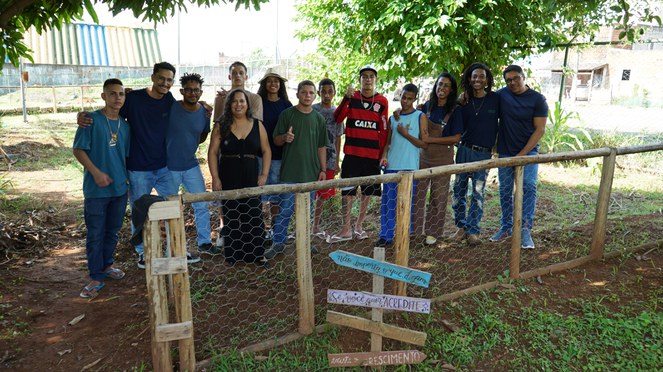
43 268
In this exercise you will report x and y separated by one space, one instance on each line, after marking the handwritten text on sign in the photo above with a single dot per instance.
376 358
396 272
380 301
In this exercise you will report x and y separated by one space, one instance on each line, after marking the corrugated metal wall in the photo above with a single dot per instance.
94 45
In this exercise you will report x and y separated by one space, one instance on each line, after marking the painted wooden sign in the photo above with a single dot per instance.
385 330
396 272
374 359
380 301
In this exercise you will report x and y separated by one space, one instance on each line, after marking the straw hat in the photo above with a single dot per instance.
271 72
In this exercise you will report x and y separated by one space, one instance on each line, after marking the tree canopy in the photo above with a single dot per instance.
407 39
17 16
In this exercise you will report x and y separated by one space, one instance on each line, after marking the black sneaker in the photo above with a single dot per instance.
210 249
382 243
192 258
274 250
141 261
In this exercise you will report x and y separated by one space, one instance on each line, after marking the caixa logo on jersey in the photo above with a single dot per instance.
365 124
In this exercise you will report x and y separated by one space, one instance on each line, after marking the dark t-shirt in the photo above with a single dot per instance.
517 113
480 120
270 113
453 126
148 120
184 131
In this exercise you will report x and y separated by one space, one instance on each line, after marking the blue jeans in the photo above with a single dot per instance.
464 219
142 182
103 219
282 221
272 179
193 182
388 209
505 176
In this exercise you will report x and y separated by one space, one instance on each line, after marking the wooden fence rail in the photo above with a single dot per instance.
405 180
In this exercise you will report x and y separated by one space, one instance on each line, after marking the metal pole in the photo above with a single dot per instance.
561 84
23 101
178 42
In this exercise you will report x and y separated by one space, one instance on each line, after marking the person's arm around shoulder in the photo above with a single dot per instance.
539 123
266 155
83 120
213 157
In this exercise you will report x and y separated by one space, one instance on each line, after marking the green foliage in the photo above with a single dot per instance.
559 136
17 16
407 39
5 185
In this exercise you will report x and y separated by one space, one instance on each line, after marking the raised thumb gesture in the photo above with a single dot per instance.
289 137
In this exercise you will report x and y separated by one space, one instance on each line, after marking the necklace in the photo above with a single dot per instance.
366 105
113 136
476 110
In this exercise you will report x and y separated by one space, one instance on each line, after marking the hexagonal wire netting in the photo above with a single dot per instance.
237 304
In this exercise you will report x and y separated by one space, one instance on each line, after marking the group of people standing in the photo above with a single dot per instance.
145 140
477 121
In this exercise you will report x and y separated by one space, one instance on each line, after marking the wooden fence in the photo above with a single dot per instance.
401 241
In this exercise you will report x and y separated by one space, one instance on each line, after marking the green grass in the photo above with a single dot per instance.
504 332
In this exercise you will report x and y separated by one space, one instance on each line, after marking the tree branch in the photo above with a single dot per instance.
12 10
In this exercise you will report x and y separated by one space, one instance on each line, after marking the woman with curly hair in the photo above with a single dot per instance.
444 130
237 141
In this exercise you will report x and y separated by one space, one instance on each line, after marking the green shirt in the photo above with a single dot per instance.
300 161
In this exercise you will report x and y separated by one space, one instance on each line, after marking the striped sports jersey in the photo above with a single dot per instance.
366 127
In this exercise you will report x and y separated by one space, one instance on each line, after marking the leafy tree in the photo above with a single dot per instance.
409 38
17 16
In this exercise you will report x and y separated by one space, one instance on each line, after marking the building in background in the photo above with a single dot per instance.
608 70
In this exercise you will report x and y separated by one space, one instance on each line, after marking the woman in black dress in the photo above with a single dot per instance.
236 142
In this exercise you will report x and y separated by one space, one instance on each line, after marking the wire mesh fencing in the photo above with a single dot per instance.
239 304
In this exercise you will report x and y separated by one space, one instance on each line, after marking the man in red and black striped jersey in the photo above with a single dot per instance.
366 130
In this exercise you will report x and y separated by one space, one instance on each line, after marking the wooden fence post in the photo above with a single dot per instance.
514 265
304 269
603 204
156 292
378 289
157 269
402 233
182 293
55 101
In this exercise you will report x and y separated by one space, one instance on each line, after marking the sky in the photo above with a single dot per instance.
206 32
